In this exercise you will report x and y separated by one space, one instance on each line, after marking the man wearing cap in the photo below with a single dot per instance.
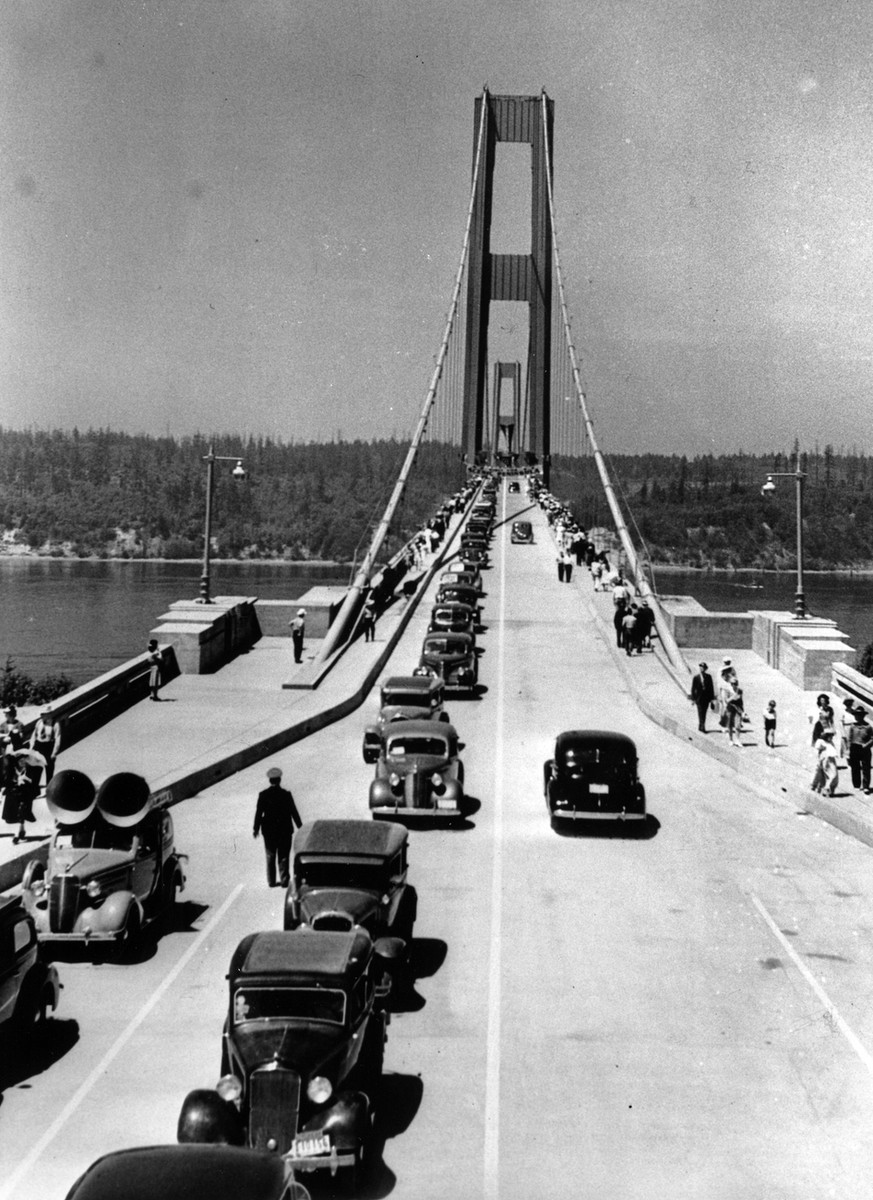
276 817
298 627
860 739
702 694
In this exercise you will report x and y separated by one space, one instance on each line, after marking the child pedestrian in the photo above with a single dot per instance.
770 724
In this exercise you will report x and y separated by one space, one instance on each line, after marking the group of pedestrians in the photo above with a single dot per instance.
851 743
725 698
26 762
633 621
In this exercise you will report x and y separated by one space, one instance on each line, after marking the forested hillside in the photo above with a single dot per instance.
709 511
114 494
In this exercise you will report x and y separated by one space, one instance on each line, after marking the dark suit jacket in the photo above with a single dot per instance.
702 688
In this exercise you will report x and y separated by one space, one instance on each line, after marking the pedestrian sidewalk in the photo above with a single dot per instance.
207 727
785 771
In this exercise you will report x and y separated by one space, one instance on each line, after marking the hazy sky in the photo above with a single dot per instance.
246 215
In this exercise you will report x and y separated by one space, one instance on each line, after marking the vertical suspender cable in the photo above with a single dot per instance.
338 628
667 640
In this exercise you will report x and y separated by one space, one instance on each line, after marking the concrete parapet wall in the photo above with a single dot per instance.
321 604
850 684
206 636
693 625
93 704
803 650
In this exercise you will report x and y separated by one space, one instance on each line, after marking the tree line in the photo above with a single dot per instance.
709 511
113 494
133 496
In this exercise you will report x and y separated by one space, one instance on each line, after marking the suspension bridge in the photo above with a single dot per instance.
679 1014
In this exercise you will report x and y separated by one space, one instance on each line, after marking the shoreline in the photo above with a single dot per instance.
114 558
676 569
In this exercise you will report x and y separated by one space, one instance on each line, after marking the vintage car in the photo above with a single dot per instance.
405 698
29 986
474 540
112 865
302 1049
216 1172
453 618
593 777
348 873
522 532
479 527
458 576
515 486
452 658
459 593
419 773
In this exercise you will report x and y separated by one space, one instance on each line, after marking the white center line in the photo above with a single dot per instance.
492 1055
829 1006
112 1053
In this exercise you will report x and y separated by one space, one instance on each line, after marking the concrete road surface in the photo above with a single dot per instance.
683 1015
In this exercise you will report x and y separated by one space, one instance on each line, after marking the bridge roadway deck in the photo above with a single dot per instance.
682 1015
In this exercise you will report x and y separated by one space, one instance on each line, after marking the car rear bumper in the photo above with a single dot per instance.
584 814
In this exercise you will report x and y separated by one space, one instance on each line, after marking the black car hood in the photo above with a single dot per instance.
297 1045
359 905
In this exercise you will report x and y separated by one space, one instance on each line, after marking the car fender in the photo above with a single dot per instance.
347 1121
205 1117
453 790
381 793
112 915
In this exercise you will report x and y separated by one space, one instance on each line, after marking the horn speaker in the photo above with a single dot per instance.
71 797
123 799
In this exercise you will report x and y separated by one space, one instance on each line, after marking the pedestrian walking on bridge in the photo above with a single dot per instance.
860 749
702 694
276 817
298 629
46 740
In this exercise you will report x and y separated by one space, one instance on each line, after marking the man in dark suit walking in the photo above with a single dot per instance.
276 817
702 694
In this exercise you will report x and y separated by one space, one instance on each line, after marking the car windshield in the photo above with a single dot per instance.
451 614
444 645
408 699
522 527
100 836
408 747
370 876
289 1004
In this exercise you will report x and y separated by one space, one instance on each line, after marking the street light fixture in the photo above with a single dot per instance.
238 473
800 611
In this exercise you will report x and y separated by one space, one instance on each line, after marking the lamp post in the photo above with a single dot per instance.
238 473
768 489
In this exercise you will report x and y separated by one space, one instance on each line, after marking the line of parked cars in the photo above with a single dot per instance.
308 1005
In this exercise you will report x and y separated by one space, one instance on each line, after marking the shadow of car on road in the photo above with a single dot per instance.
628 831
52 1040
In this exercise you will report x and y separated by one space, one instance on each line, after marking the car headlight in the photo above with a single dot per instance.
38 887
394 779
439 784
94 889
229 1088
319 1089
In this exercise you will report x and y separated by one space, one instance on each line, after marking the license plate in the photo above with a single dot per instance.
599 789
307 1147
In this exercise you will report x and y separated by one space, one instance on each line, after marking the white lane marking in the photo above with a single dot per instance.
829 1006
492 1054
112 1053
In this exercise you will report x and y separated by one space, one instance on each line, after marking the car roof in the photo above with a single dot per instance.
383 838
521 524
182 1173
420 729
594 737
447 634
412 683
300 952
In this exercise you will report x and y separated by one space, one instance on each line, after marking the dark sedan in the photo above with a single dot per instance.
593 777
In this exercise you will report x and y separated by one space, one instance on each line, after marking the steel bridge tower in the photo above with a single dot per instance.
524 277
